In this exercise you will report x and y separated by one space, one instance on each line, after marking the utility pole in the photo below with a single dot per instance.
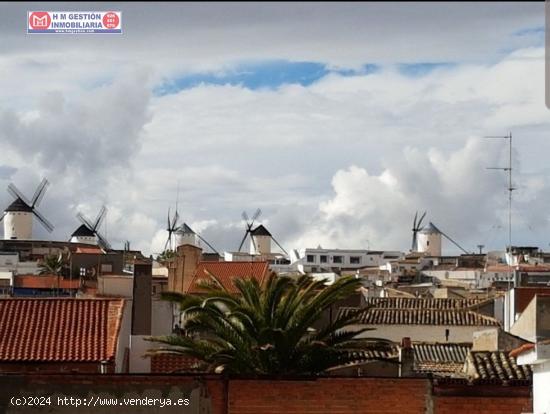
480 247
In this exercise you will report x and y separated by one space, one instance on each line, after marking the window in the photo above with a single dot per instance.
355 259
427 242
337 259
324 258
310 258
106 268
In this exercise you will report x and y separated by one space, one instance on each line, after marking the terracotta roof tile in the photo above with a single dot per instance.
45 282
227 272
167 363
441 359
421 303
498 366
446 317
54 329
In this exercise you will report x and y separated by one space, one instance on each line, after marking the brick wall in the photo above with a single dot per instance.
246 396
482 405
334 395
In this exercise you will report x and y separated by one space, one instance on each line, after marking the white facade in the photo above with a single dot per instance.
425 333
472 278
539 359
191 238
92 240
318 260
18 225
260 244
429 241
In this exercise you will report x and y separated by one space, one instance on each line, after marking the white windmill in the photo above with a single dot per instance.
88 232
18 215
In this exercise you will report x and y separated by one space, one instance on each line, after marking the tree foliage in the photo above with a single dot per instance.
267 330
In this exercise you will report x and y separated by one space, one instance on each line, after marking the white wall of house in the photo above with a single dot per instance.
541 388
429 333
116 285
162 317
539 359
123 342
314 260
138 347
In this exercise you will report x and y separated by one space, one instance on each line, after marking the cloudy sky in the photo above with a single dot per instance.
338 120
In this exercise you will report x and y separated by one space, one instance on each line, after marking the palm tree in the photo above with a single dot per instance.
166 255
52 265
266 330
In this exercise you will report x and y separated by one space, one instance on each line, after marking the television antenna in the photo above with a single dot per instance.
510 188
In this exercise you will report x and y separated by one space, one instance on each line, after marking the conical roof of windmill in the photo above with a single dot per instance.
19 205
429 229
184 228
83 231
260 231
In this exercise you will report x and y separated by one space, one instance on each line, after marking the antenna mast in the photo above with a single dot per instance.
510 187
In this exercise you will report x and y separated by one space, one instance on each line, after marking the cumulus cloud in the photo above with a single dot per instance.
344 162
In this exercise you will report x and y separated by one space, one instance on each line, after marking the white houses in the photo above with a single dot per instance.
310 260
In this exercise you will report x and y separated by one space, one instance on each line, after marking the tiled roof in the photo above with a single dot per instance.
226 272
421 303
441 359
89 250
55 330
391 351
498 366
446 317
45 282
167 363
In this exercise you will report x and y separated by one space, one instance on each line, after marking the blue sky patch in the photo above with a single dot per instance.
422 69
270 75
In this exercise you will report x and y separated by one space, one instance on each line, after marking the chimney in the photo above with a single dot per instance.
186 262
406 358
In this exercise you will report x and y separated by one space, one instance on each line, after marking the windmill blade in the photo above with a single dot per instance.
208 244
256 215
168 228
244 216
102 241
254 243
14 191
449 238
414 221
166 244
278 244
244 238
175 221
99 218
39 193
43 221
2 218
420 221
84 220
414 242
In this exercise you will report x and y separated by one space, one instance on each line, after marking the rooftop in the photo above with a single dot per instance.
227 272
498 365
445 317
441 359
421 303
19 205
55 330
